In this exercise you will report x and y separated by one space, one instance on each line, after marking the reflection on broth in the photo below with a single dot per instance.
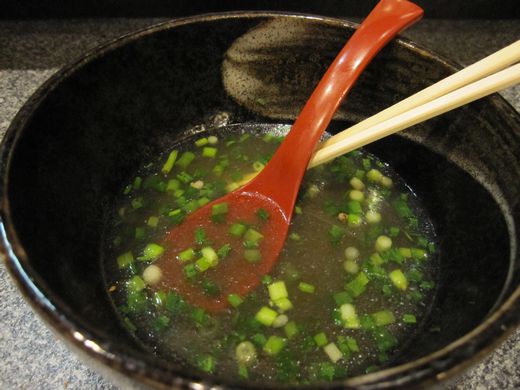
352 285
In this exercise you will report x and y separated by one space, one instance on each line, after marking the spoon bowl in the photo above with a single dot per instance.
274 190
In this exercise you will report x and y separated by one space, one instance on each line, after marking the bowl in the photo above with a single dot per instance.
81 136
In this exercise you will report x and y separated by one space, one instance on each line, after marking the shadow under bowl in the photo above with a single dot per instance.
80 137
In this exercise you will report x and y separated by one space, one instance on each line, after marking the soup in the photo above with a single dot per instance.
352 284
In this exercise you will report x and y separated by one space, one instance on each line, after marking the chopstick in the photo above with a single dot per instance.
473 82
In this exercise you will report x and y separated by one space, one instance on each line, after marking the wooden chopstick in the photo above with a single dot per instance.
477 80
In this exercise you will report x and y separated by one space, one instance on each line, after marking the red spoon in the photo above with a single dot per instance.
275 189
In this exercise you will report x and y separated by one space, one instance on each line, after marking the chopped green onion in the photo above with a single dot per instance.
136 301
418 254
358 285
274 345
176 216
210 288
405 252
394 231
336 234
242 372
357 184
253 235
173 185
153 221
168 165
354 207
159 297
125 259
137 203
297 210
266 316
383 317
354 220
152 274
199 316
277 290
386 182
161 323
352 253
359 174
280 321
349 316
140 233
191 206
234 300
383 243
366 164
224 251
259 339
252 255
118 240
295 237
291 329
185 159
374 176
201 142
426 285
373 217
151 252
384 339
258 166
174 303
190 271
137 183
342 297
209 152
209 254
219 211
262 214
409 319
352 344
376 259
136 284
202 201
356 195
245 353
306 287
187 254
350 266
200 236
284 304
333 352
203 264
237 229
312 191
320 339
206 363
244 137
398 279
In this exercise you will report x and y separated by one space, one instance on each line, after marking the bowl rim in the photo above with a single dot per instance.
435 367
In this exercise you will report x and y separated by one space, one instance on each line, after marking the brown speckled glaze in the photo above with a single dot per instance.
84 132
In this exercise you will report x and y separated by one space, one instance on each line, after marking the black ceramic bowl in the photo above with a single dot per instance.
83 133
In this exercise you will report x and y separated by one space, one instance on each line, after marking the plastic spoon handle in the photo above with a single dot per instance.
454 99
280 180
485 67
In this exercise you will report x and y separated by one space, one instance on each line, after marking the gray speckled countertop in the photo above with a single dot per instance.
31 51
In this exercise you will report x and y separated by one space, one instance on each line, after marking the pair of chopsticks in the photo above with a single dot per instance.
484 77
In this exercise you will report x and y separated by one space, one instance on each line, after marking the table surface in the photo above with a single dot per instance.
31 51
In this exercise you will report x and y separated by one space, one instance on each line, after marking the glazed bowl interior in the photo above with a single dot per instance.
82 136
